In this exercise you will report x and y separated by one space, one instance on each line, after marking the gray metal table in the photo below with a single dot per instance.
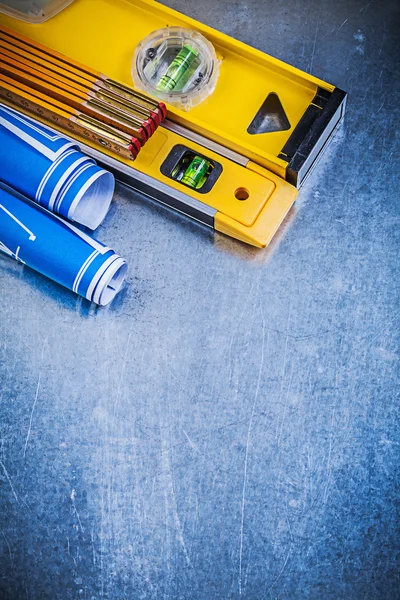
228 427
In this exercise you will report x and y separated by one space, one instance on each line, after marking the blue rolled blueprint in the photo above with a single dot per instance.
49 169
36 237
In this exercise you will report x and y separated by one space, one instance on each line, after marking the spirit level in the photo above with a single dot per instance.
261 130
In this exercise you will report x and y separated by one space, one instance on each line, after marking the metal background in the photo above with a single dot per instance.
229 426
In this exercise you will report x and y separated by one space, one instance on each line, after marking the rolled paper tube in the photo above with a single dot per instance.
49 169
57 249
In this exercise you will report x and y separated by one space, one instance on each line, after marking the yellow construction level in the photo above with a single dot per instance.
264 126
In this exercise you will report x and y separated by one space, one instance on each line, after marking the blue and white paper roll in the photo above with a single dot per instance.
49 169
57 249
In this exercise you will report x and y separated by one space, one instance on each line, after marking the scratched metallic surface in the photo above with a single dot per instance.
229 427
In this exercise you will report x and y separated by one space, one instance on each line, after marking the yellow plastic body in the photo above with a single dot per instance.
104 34
254 220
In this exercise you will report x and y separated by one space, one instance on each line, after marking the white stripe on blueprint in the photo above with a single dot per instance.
62 180
99 273
32 236
28 139
50 171
30 123
84 236
98 292
33 142
83 269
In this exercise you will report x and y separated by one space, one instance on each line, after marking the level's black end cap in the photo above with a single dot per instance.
313 133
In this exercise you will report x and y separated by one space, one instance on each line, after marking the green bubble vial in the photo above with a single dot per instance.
177 69
196 174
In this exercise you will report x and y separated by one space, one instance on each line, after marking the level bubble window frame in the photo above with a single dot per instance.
180 158
176 65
